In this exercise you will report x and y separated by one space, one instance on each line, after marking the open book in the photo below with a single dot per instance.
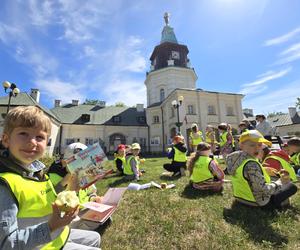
90 165
100 212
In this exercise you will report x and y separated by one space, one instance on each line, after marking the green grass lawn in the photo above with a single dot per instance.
182 218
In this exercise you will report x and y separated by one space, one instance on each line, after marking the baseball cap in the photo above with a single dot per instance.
72 148
121 146
135 146
255 136
194 125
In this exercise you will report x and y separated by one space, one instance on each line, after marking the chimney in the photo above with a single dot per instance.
292 112
35 94
57 103
75 102
140 107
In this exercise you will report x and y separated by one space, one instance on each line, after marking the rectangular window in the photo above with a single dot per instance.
229 111
191 110
155 141
116 119
156 119
211 110
143 142
72 140
89 141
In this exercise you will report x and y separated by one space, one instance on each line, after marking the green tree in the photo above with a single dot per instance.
91 101
272 114
120 104
298 103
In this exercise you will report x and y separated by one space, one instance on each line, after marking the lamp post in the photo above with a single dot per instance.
14 91
176 104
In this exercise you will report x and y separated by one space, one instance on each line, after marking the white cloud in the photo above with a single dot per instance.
257 86
57 89
290 54
127 91
283 38
277 100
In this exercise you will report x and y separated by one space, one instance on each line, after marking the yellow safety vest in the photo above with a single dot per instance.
196 140
127 166
82 193
286 165
295 159
123 159
201 171
208 137
223 139
34 203
241 187
179 156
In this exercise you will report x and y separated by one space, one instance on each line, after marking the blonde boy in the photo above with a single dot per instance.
28 218
251 183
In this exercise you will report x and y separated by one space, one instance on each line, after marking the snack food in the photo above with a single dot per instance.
67 201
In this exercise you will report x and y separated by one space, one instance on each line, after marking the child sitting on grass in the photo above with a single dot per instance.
120 158
204 171
132 163
178 155
29 218
251 183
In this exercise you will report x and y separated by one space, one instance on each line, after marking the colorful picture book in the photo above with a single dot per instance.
89 165
102 211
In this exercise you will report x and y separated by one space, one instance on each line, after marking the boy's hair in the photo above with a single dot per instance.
202 146
28 117
295 141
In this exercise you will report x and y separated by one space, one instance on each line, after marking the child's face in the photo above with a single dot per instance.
135 151
121 152
292 149
26 144
252 148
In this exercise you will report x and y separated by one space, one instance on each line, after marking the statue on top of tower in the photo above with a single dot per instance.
166 17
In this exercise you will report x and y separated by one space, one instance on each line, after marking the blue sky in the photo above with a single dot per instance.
100 49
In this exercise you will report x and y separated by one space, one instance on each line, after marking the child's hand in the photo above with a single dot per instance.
73 183
56 221
271 171
97 199
284 176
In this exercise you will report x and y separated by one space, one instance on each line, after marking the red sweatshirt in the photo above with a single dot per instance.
272 163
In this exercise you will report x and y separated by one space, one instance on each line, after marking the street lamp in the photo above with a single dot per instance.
176 105
14 91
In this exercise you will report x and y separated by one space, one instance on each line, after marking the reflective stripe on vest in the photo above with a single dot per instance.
35 200
295 159
127 166
179 156
241 187
201 171
285 166
196 139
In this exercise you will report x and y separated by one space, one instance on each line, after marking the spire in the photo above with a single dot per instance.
168 35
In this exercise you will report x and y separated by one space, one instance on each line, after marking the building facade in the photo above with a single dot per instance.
171 77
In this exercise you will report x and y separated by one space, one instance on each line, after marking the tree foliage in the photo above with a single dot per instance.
298 103
120 104
272 114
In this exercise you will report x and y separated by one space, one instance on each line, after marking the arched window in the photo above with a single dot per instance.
162 94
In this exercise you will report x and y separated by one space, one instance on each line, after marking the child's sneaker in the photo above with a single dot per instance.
182 171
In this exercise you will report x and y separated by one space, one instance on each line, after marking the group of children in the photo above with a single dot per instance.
29 218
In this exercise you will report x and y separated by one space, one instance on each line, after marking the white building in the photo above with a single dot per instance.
170 77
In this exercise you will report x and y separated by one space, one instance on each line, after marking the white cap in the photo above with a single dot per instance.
70 149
